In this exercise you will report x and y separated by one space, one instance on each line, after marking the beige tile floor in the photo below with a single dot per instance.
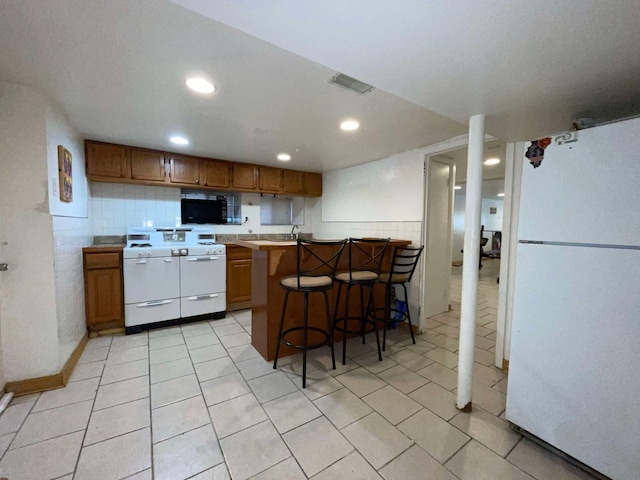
198 402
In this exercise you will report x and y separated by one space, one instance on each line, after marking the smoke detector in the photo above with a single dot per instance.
350 83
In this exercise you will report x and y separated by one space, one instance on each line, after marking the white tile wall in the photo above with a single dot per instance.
70 235
118 206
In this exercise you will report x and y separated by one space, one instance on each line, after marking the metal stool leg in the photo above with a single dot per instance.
330 329
406 298
284 309
305 327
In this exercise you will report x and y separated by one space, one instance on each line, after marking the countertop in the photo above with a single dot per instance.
265 244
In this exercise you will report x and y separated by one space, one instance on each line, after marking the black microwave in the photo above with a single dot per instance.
203 211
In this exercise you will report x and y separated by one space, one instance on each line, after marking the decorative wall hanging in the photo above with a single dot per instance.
535 152
65 174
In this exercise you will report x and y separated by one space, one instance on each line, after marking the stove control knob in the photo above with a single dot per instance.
140 254
175 252
184 251
148 254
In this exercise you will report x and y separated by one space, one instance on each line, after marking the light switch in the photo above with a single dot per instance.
54 187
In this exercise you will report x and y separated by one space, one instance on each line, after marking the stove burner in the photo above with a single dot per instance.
139 245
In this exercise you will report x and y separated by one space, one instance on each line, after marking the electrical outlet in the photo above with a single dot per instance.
54 187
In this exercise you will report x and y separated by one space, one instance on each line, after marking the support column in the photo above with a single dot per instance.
471 258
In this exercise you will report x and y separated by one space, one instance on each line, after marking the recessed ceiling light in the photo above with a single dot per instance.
179 140
349 125
492 161
200 85
285 157
457 187
501 194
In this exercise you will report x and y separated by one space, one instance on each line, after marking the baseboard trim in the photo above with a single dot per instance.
49 382
505 365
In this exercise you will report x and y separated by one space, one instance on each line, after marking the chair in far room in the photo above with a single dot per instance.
316 263
365 262
403 265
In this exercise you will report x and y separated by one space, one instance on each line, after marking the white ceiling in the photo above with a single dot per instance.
117 69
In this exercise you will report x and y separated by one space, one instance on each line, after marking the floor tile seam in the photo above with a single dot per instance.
83 446
122 380
173 378
66 404
124 363
280 462
353 448
86 428
413 443
15 433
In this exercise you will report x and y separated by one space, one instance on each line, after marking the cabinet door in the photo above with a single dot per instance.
147 166
104 160
238 281
103 288
270 179
245 176
215 173
185 170
292 181
313 184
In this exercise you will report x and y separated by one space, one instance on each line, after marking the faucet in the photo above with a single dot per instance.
294 236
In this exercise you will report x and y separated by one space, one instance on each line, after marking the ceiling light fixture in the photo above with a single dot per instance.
200 85
284 157
501 194
349 125
178 140
457 187
492 161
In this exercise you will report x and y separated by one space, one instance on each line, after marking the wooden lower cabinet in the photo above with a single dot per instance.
238 277
103 287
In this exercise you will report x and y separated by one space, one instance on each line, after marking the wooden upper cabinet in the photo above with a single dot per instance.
147 165
292 181
105 160
245 176
270 179
313 184
185 170
214 173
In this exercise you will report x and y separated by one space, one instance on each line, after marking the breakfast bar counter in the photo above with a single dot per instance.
272 260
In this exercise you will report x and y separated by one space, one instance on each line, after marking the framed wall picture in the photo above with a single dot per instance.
65 174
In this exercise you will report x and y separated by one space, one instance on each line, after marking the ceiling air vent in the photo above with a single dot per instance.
350 83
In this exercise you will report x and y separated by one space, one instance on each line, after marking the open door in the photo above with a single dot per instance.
440 179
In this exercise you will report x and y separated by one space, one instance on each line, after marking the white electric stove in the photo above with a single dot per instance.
171 276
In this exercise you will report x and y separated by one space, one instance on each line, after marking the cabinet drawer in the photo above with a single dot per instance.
236 252
102 260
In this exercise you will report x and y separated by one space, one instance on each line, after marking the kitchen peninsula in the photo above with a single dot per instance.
272 260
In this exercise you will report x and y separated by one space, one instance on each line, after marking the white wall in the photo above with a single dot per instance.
71 232
390 190
27 291
118 206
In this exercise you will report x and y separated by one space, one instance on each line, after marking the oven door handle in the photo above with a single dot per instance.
139 262
203 297
201 259
155 303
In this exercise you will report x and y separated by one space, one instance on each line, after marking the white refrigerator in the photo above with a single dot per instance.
574 367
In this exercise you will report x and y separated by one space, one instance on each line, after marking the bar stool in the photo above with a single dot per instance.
403 264
316 263
365 261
